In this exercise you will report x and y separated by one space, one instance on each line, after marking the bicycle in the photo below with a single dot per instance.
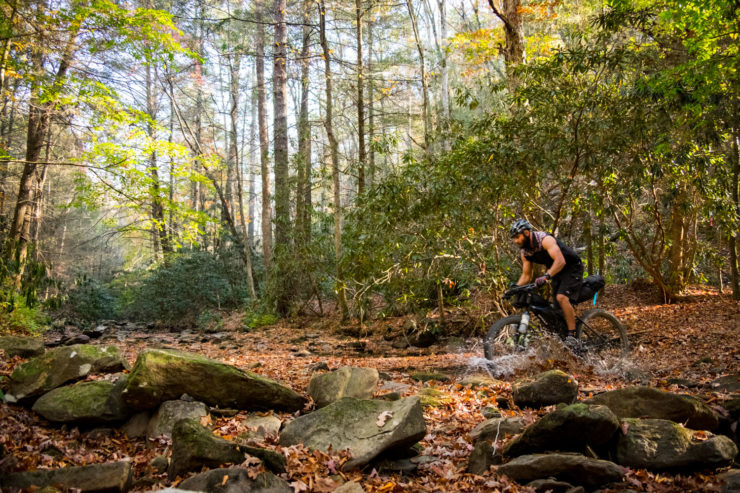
597 330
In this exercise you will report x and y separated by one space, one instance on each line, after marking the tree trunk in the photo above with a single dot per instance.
422 65
362 153
303 189
264 143
735 194
234 159
445 89
334 152
511 16
6 142
683 240
159 227
371 103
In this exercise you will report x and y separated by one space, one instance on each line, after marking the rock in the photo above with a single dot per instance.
482 457
573 468
347 381
569 428
733 407
160 464
424 338
366 427
490 412
549 485
475 381
316 367
194 446
75 339
136 426
25 347
648 402
238 481
106 477
426 376
169 413
431 397
262 426
728 383
350 487
62 365
96 401
730 481
96 332
161 375
659 444
497 428
548 388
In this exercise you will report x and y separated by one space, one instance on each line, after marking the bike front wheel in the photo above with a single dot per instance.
602 333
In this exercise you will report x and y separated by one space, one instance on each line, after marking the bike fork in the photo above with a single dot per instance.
523 326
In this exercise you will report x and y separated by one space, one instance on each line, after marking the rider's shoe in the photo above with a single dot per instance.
574 345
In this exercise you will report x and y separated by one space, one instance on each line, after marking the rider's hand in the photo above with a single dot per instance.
541 280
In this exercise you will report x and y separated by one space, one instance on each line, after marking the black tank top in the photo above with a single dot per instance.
538 255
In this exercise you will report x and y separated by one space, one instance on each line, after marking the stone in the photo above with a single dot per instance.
497 428
427 376
490 412
366 427
160 464
169 413
62 365
549 485
137 424
194 446
350 487
548 388
568 428
237 481
262 426
475 381
648 402
659 444
573 468
161 375
105 477
25 347
75 339
431 397
347 381
482 457
97 401
728 383
730 481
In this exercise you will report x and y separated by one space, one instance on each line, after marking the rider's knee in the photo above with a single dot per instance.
562 299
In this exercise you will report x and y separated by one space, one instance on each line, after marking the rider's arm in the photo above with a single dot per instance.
551 245
526 272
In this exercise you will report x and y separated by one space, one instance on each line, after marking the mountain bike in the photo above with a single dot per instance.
597 330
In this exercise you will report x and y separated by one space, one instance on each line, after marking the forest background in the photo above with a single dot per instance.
177 160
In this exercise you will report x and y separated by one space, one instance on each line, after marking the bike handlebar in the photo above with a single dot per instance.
525 288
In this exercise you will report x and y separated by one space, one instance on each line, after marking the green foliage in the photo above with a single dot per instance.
256 319
184 286
209 321
16 316
90 300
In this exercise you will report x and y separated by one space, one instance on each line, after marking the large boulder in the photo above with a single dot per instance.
659 444
93 478
169 413
23 346
548 388
260 427
62 365
347 381
97 401
237 481
648 402
573 468
568 428
366 427
163 374
194 446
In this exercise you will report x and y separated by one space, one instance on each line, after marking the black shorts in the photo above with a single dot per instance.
568 281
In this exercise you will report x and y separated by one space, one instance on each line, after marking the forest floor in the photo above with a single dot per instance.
679 347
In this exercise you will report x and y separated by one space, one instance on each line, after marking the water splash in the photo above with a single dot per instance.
505 365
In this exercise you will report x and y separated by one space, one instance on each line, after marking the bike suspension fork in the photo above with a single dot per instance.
524 323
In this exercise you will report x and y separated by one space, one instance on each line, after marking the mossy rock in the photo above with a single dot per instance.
162 374
62 365
427 376
347 381
23 346
88 402
431 397
548 388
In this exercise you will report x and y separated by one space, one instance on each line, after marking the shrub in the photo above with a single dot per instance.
17 317
90 300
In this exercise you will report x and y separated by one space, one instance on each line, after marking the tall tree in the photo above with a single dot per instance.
424 84
362 152
334 153
264 141
303 189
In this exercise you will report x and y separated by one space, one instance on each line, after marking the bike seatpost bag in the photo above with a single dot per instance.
590 286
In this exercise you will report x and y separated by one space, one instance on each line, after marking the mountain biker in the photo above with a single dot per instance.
562 263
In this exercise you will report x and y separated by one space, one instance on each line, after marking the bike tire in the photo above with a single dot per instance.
502 337
602 333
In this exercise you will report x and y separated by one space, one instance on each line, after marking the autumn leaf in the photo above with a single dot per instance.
383 417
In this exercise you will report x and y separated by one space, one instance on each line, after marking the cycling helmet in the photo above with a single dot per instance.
519 226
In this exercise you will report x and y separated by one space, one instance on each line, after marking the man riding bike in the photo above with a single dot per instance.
562 263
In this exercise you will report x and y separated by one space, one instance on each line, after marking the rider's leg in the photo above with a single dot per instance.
568 313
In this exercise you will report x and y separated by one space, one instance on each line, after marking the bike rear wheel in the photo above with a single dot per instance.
602 333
